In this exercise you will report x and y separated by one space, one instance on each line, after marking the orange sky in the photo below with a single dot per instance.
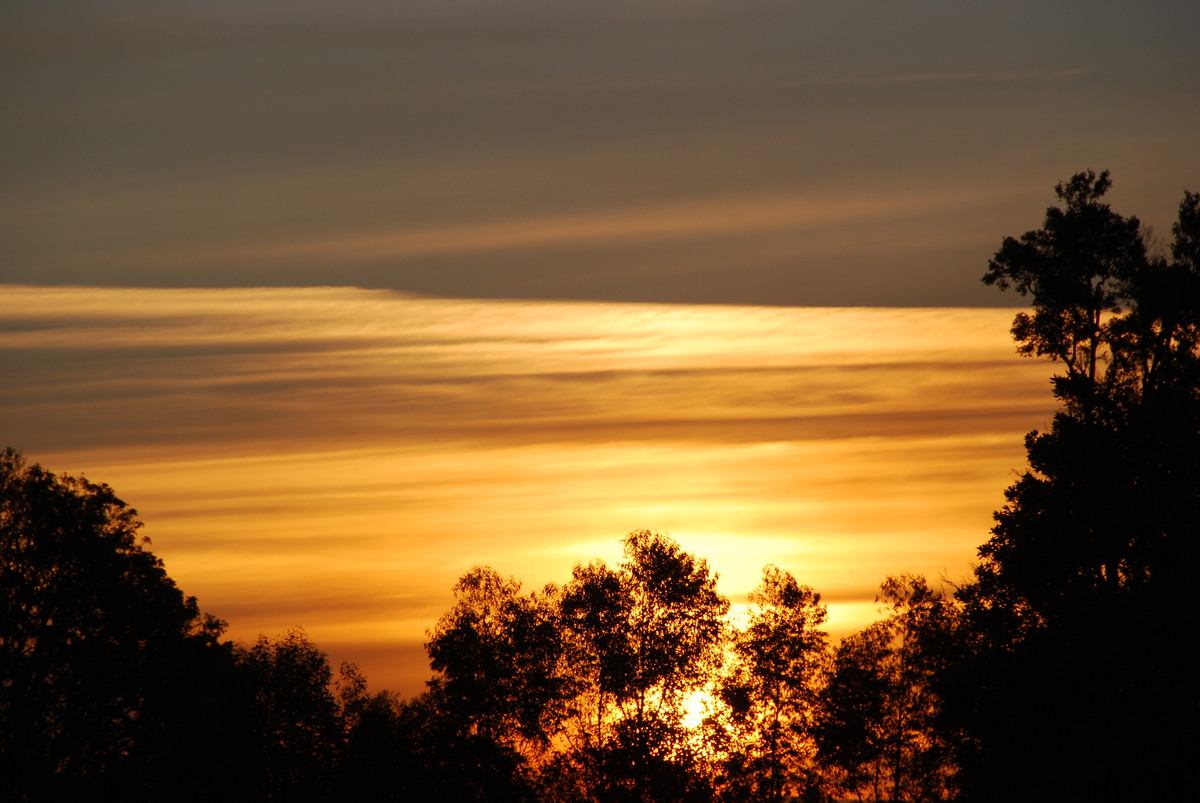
335 458
305 452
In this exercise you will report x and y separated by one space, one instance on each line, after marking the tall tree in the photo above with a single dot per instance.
500 692
645 636
771 692
109 675
1125 328
880 735
373 753
498 655
1080 597
294 715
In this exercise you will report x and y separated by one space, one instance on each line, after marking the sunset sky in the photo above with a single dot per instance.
348 297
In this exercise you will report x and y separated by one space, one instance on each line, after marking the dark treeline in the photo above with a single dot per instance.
1061 670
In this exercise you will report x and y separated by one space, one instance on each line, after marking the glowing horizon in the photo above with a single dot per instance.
335 458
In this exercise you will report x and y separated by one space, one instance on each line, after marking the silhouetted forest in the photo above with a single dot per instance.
1062 670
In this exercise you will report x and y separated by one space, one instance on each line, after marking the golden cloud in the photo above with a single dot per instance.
335 457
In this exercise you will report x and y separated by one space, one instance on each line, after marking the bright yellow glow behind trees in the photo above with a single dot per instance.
336 458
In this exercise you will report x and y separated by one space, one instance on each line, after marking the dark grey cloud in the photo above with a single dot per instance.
150 144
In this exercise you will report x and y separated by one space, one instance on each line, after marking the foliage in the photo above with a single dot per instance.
1081 592
1124 449
770 693
293 713
1062 670
498 656
643 638
578 693
500 693
880 733
1079 267
372 754
96 643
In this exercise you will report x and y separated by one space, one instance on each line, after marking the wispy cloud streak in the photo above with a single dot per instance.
1002 76
689 219
336 457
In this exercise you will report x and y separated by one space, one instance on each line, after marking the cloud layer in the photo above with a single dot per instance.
335 457
793 153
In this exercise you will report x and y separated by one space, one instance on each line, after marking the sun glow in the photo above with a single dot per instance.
336 458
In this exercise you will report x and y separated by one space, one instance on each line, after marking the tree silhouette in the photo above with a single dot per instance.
1125 329
498 656
645 636
500 692
771 692
294 715
109 675
374 757
1081 595
880 733
1062 670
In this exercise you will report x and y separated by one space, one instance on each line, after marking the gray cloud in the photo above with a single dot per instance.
141 137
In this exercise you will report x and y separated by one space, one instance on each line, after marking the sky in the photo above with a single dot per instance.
346 298
335 458
797 152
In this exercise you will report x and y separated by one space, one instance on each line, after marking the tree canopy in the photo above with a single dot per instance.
1061 669
96 642
1081 594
